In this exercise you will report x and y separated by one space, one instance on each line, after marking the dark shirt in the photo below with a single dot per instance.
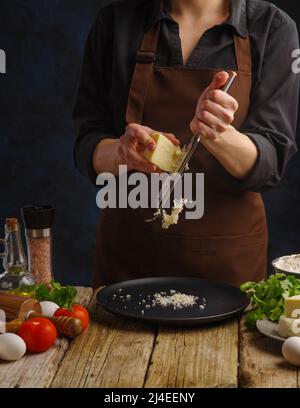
109 63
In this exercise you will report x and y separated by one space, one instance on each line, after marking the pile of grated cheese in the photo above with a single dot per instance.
175 299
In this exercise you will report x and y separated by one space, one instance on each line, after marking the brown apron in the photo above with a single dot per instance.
229 243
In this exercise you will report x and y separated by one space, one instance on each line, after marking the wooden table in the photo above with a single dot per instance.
114 352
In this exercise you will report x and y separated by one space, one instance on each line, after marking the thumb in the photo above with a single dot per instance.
219 80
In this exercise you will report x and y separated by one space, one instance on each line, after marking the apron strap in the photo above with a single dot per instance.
145 59
143 67
243 54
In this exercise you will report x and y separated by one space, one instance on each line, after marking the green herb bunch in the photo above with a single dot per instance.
63 296
267 297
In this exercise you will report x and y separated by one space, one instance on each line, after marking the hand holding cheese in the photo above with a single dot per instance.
134 144
166 153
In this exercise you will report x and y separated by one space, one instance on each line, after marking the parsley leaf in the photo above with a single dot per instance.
267 297
63 296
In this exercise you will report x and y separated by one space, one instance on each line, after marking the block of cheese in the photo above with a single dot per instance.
165 155
292 304
288 327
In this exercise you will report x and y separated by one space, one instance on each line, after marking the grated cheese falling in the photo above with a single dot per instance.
171 219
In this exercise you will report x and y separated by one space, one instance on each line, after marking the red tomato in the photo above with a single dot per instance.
77 311
38 333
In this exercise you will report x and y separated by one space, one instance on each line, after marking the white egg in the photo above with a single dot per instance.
48 308
291 350
12 347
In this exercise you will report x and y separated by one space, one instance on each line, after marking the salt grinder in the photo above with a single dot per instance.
38 221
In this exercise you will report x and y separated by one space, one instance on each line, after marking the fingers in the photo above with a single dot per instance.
207 131
139 163
226 115
194 125
134 142
222 98
215 108
134 159
220 80
214 122
141 134
215 115
171 137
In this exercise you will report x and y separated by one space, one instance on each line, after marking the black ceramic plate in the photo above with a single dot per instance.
133 299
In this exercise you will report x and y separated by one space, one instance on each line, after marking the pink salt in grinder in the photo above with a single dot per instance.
38 221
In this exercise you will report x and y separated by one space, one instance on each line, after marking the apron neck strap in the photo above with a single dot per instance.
145 59
143 67
146 53
243 54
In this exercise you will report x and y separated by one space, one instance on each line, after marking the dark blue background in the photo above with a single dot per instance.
44 43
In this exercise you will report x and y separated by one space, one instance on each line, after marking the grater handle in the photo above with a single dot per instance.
229 82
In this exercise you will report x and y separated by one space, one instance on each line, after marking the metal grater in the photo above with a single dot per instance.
187 152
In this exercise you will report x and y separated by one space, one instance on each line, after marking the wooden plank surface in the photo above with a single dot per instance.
195 357
38 370
114 352
119 353
261 362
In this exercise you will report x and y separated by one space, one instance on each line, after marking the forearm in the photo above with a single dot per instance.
106 157
235 151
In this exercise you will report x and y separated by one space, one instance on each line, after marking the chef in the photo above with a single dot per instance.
160 65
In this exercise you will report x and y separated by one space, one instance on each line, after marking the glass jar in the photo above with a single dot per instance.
14 261
38 222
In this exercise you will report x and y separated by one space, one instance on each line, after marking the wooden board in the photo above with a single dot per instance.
261 362
197 357
113 353
38 370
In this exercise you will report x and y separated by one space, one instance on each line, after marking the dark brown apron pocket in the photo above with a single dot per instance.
233 258
126 252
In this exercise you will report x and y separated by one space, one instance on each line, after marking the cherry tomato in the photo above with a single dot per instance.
76 311
38 333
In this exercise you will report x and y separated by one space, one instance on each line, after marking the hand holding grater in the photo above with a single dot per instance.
187 152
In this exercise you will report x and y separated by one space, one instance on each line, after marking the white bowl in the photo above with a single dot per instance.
277 269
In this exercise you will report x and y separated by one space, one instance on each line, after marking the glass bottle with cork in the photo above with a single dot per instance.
38 222
15 273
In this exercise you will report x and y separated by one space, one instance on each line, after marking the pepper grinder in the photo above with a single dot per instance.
38 222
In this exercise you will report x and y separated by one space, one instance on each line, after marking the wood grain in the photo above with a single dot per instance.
113 353
38 370
261 362
119 353
198 357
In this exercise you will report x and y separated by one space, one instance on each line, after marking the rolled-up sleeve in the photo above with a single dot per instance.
92 117
272 119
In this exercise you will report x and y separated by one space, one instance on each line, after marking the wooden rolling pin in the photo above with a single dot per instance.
20 308
66 326
17 307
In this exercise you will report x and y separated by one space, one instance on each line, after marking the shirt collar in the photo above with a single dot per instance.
237 18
